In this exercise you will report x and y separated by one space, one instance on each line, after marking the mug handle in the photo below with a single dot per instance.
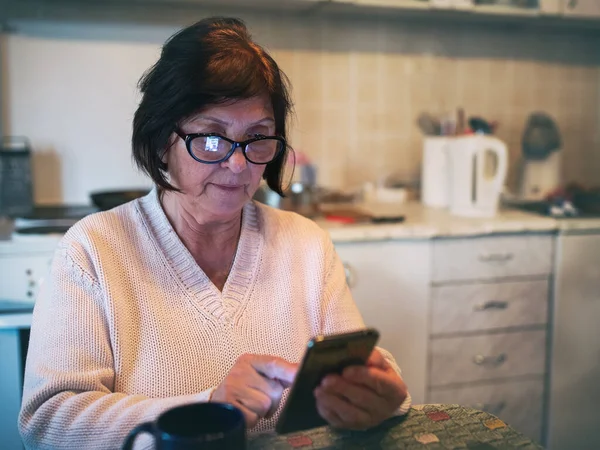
146 427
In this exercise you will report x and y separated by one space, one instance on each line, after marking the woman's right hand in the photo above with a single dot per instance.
255 384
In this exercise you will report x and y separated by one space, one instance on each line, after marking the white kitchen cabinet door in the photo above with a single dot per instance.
575 357
581 8
390 282
20 276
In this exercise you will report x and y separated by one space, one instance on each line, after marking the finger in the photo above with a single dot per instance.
275 392
250 416
272 388
257 402
274 367
330 416
351 417
384 384
357 394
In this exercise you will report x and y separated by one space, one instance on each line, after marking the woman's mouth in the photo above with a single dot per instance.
229 187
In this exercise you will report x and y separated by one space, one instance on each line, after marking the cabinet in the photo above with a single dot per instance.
574 390
22 275
466 318
390 282
23 266
488 333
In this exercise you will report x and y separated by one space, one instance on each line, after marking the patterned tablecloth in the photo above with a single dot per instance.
430 427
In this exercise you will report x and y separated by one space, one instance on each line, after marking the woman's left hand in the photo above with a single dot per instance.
362 396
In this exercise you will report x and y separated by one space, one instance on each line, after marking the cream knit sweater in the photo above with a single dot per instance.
127 325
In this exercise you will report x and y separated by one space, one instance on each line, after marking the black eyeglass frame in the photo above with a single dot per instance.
188 138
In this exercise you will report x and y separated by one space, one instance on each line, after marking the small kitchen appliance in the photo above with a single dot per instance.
478 165
16 187
435 171
541 161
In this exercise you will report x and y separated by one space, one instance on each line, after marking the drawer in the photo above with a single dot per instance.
487 357
20 276
487 306
492 257
518 403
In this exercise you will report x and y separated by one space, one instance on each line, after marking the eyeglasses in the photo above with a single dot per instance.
211 148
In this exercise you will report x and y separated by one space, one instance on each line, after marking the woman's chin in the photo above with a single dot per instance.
226 206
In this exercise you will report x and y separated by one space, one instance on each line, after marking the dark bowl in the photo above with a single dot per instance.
105 200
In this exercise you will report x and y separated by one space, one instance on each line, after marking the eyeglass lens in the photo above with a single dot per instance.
213 148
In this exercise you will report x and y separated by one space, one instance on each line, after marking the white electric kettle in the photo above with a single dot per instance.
478 167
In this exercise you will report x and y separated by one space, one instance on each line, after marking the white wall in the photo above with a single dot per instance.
358 83
75 99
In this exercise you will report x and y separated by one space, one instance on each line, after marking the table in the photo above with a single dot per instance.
431 427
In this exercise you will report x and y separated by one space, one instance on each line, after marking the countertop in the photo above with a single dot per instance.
15 314
425 223
420 223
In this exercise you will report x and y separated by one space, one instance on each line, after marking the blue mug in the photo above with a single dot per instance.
206 426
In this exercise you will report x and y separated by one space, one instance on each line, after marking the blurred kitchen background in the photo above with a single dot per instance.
361 75
433 140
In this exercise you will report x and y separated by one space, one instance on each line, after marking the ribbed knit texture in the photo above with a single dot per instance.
127 325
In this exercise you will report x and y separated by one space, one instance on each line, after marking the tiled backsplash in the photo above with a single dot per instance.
358 86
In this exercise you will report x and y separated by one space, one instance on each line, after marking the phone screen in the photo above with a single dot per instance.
324 355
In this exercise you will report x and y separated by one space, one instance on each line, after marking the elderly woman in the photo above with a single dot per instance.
195 293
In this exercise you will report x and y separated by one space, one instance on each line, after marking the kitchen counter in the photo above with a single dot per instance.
14 315
420 223
426 223
6 228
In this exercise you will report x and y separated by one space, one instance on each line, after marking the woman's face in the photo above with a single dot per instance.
221 190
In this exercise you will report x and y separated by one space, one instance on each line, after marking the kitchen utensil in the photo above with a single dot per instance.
359 216
480 125
429 125
383 194
461 125
478 167
110 199
541 161
435 170
299 198
16 186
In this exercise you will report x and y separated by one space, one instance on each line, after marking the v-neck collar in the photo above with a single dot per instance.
203 293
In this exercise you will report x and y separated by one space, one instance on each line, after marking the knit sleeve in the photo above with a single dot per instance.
68 396
341 313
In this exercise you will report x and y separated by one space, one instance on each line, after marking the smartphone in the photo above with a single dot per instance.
324 355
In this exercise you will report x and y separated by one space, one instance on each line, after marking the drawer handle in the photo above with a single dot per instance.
492 304
499 258
493 361
492 408
350 275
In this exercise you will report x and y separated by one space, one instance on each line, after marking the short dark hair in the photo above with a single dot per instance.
211 62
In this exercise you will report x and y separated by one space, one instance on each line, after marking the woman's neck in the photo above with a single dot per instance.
199 232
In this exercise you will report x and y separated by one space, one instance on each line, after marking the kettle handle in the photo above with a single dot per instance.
499 148
502 168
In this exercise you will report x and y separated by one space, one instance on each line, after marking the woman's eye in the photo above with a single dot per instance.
258 135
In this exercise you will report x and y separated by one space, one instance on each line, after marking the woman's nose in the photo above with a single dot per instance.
236 162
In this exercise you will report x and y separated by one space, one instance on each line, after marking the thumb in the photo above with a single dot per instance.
377 360
275 368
